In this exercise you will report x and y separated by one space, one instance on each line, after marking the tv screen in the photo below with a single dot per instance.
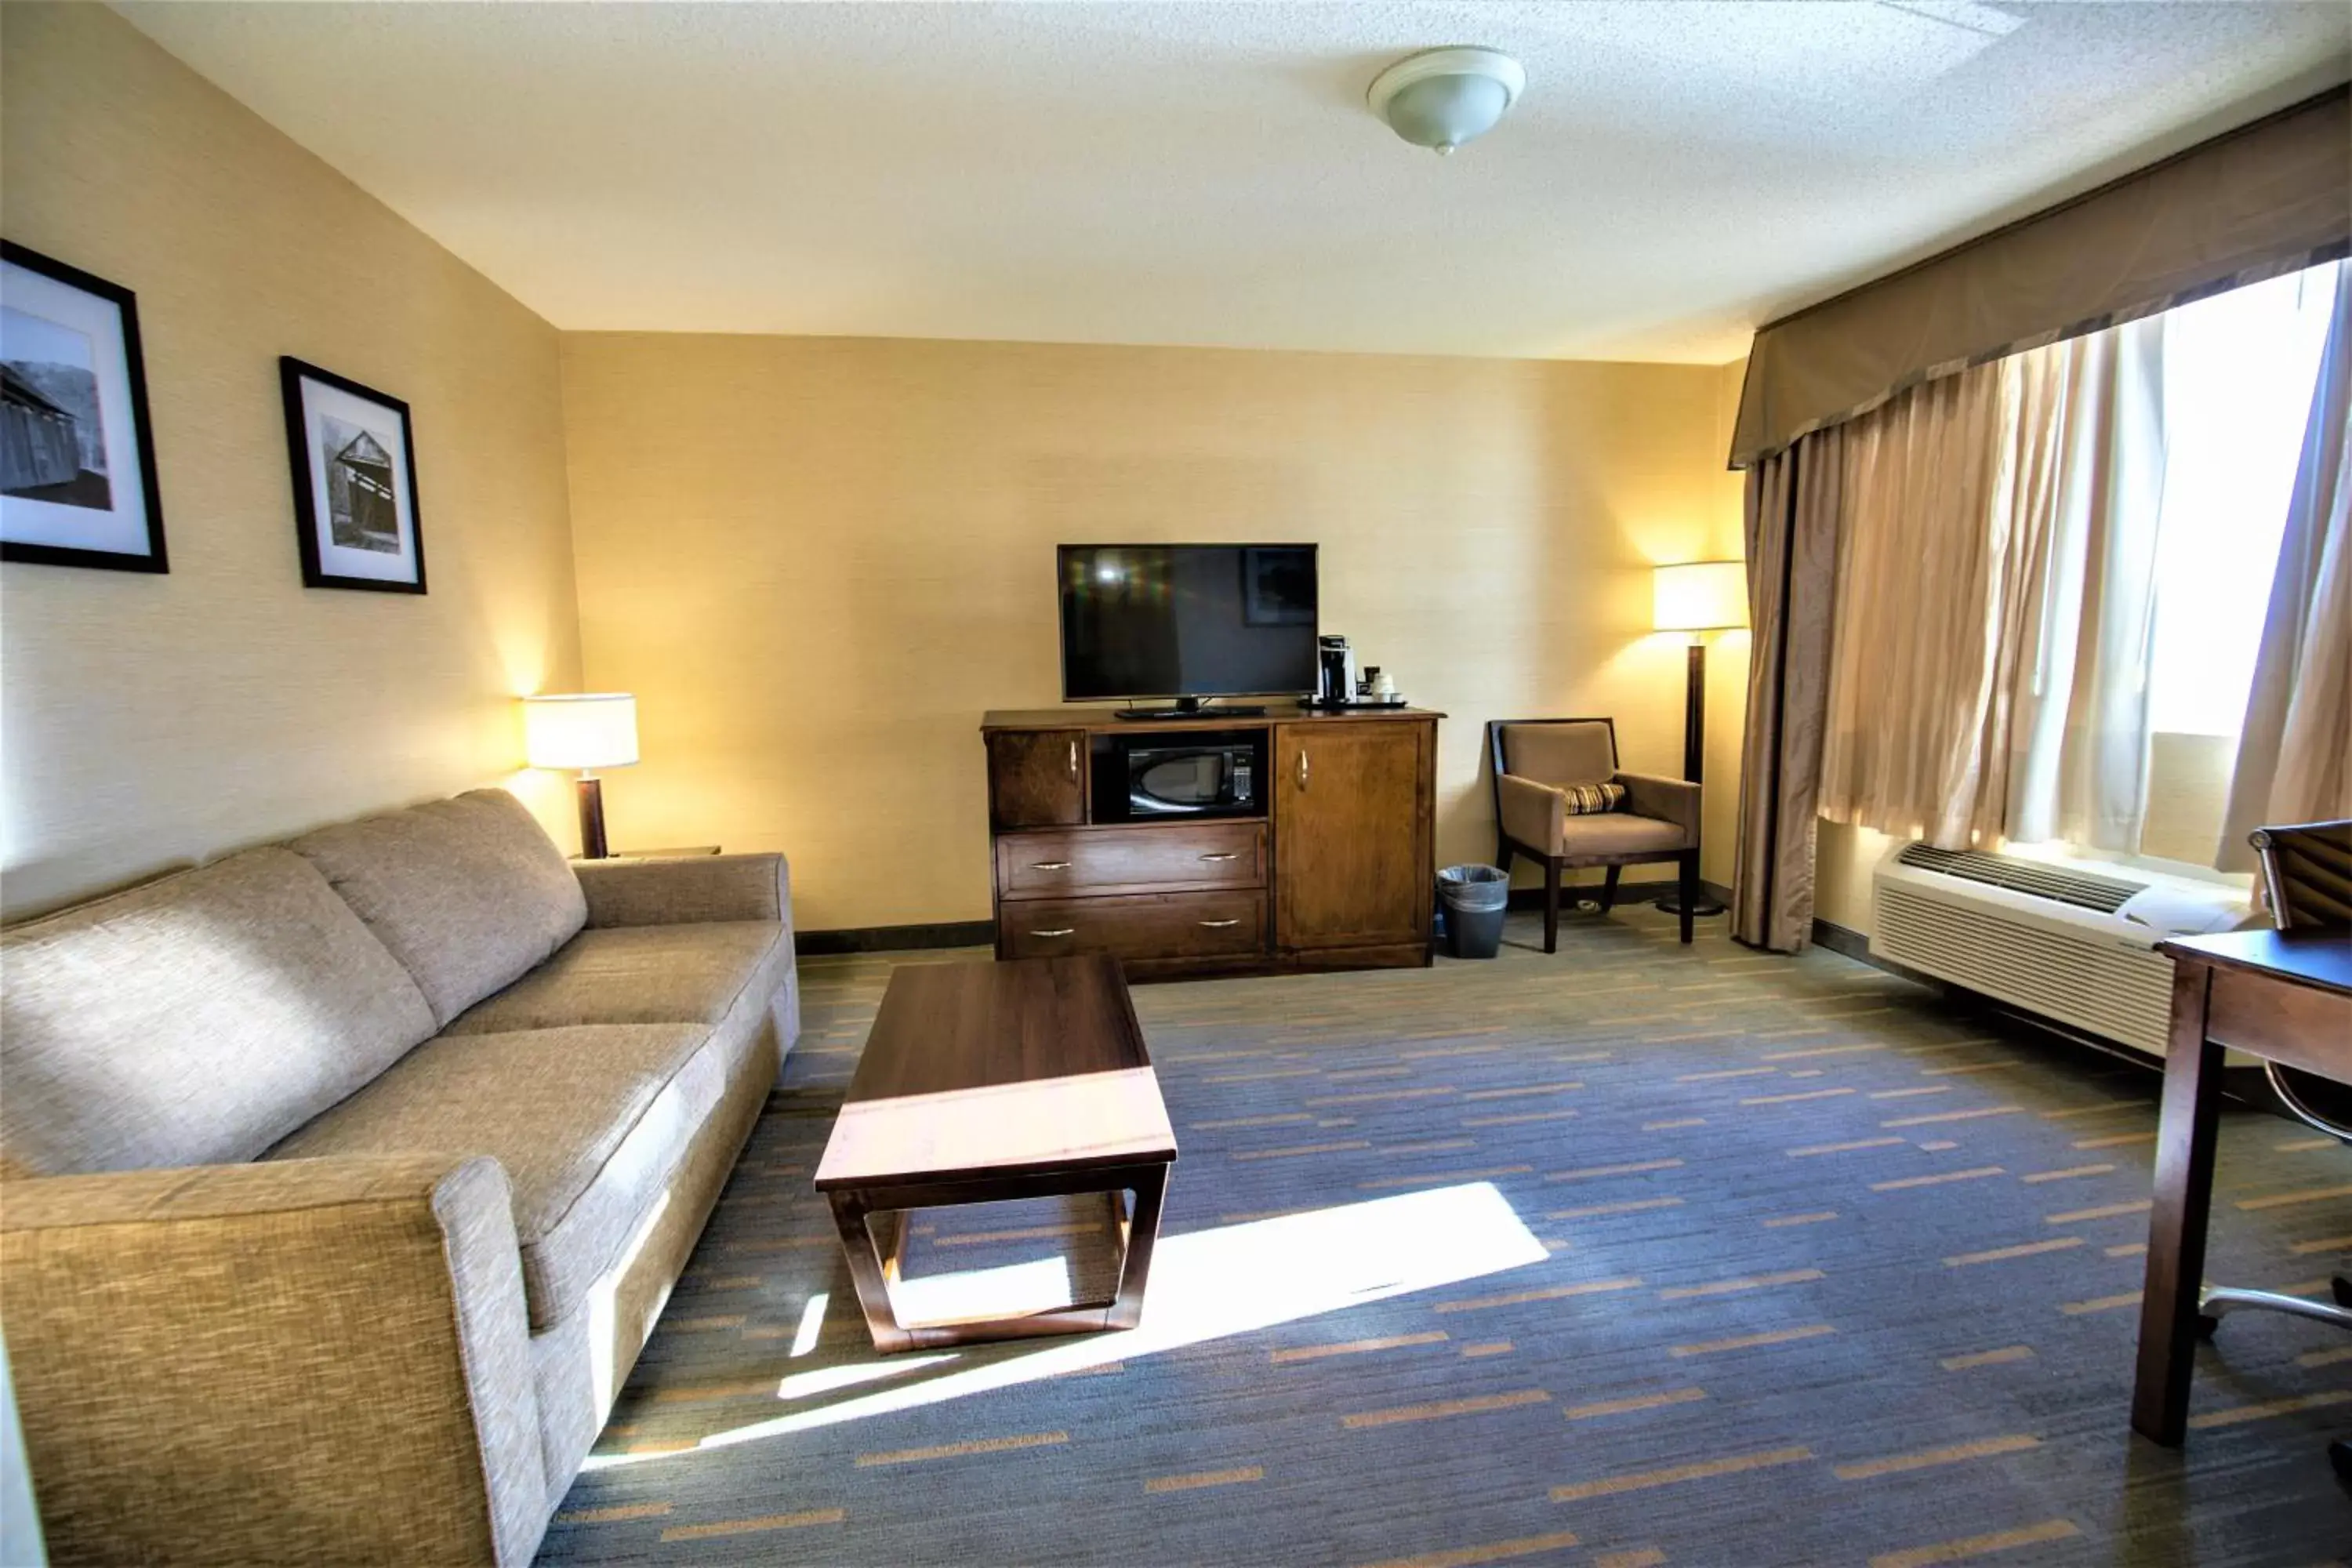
1187 620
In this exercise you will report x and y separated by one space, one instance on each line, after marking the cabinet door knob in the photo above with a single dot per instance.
1073 759
1224 854
1219 925
1065 931
1049 866
1302 767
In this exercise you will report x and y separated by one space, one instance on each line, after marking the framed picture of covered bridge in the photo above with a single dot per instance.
355 513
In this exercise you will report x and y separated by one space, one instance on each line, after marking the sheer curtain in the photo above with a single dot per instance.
2079 740
2294 752
1995 599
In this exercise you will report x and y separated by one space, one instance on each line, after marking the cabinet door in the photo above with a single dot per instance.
1351 867
1036 778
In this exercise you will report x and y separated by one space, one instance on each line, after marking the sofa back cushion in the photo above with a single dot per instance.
194 1021
469 894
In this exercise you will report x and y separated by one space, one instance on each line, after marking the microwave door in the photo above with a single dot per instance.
1178 784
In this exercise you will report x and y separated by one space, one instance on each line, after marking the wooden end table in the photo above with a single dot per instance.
987 1082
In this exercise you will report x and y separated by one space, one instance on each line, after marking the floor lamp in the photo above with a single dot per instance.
583 731
1699 598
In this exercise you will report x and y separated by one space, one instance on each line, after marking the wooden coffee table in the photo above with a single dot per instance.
986 1082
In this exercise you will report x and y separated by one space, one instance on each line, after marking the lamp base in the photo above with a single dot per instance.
592 818
1673 904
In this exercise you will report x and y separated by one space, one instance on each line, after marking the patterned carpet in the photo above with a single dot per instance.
1635 1254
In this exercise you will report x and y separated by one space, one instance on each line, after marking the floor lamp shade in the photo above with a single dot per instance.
584 731
1697 596
1700 596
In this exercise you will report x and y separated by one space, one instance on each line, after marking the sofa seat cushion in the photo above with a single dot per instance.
1620 833
193 1021
589 1122
638 975
469 893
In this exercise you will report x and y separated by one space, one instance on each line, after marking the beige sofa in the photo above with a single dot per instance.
341 1182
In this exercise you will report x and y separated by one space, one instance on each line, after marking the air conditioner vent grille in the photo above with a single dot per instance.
2031 877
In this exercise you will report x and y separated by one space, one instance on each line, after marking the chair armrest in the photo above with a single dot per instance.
1532 813
297 1361
1666 800
690 889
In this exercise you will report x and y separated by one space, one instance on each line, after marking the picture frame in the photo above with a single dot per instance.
77 485
354 455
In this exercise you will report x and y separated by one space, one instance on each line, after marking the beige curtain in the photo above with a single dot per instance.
2294 752
1793 511
1995 573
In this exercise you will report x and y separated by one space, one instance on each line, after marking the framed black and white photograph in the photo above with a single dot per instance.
76 459
355 483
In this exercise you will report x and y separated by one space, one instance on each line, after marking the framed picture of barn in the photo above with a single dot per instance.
355 483
76 460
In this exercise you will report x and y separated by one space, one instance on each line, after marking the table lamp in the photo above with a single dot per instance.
1698 597
583 731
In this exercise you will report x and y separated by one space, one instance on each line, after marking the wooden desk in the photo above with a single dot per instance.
983 1082
2284 995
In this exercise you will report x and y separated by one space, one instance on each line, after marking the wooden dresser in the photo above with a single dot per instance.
1337 872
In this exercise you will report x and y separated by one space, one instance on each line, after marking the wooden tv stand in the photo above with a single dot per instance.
1339 872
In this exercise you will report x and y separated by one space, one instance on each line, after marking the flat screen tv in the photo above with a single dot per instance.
1187 621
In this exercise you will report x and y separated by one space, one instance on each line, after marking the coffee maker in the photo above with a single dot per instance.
1338 672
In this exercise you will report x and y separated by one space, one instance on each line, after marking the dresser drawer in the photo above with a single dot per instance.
1167 857
1161 925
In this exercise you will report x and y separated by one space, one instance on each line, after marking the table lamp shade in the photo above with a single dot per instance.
589 729
1700 596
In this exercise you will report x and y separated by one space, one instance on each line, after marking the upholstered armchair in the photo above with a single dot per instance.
1545 768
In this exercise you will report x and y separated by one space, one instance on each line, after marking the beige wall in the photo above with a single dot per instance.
817 562
148 720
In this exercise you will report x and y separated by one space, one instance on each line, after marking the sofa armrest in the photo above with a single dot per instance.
690 889
1533 813
297 1361
1663 799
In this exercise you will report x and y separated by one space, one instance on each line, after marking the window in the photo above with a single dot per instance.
2238 375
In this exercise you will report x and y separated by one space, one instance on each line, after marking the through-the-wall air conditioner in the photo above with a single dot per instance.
2048 937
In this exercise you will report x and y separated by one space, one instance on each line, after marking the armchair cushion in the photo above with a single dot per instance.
1576 751
1619 833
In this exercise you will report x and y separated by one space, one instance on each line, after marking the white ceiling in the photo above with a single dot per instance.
1207 173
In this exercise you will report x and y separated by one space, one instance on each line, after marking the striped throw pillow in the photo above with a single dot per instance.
1584 799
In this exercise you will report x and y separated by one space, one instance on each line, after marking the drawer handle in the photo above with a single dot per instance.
1219 925
1065 931
1228 854
1302 767
1073 759
1049 866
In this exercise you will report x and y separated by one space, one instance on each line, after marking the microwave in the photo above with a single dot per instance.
1143 778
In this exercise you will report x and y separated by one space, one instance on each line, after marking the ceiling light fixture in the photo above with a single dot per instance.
1439 98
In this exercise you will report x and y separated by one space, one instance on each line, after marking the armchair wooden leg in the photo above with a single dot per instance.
1503 854
1551 904
1609 889
1687 881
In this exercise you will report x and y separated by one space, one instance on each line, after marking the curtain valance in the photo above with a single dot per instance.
2267 198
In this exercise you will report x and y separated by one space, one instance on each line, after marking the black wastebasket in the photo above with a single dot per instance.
1475 899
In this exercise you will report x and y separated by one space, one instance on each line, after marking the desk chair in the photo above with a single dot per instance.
2307 872
1541 763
